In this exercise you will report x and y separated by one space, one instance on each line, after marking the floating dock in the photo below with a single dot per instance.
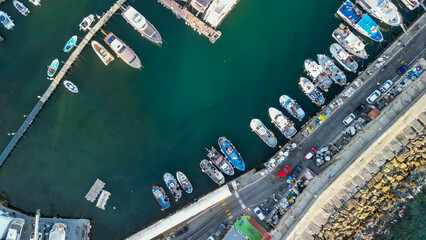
102 200
95 190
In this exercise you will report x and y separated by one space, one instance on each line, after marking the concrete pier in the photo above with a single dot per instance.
60 75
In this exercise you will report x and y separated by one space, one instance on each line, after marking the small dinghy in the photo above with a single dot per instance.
71 86
70 44
53 68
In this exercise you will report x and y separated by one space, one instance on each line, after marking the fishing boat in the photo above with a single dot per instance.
343 57
71 86
220 161
35 2
412 4
363 23
172 185
264 133
337 75
58 232
21 7
184 182
280 121
87 21
123 51
141 24
70 44
318 74
292 107
102 53
53 68
6 20
349 41
208 168
161 197
15 229
311 91
384 10
231 153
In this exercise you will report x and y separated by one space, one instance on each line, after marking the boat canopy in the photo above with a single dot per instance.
354 42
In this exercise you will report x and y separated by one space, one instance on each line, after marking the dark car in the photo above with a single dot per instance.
181 232
297 171
360 109
219 231
402 69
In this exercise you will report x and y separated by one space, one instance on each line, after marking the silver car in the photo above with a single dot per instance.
373 96
385 86
349 119
259 213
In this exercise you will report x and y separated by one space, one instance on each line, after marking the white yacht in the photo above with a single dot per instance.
264 133
58 232
87 21
384 10
5 19
349 41
412 4
21 7
143 26
15 229
285 125
35 2
343 57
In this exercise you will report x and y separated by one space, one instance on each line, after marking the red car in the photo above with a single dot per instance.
311 154
286 169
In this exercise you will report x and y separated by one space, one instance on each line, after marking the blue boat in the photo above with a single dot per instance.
52 68
161 197
231 153
70 44
292 107
363 23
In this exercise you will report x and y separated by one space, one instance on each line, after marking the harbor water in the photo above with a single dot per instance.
128 127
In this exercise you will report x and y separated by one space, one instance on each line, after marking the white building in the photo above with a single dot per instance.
218 10
200 5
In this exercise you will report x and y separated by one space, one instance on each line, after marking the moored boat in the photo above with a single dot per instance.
15 229
285 125
21 7
58 232
363 23
53 67
87 21
311 91
184 182
70 44
220 161
35 2
105 56
70 86
141 24
412 4
208 168
161 197
343 57
123 51
1 38
337 75
231 153
172 185
318 74
264 133
292 107
349 41
6 20
384 10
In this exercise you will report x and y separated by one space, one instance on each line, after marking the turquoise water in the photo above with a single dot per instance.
128 127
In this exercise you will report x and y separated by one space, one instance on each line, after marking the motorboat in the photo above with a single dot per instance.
70 44
231 153
263 132
285 125
141 24
311 91
161 197
334 72
343 57
6 20
21 7
292 107
123 51
70 86
220 161
350 41
53 67
210 170
184 182
105 56
384 10
172 185
87 21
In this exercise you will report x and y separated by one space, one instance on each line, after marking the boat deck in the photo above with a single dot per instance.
350 11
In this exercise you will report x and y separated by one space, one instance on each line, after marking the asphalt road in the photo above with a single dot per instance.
207 223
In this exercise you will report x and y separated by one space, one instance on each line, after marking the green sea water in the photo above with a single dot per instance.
128 127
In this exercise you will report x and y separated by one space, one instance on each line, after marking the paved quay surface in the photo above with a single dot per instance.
77 229
405 50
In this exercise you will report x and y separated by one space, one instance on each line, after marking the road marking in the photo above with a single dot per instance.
228 214
230 217
237 195
223 200
223 204
402 62
227 210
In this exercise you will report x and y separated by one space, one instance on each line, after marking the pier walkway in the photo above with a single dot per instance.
191 20
104 19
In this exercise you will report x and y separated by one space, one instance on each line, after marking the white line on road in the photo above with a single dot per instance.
237 195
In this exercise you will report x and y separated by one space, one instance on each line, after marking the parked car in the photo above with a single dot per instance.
360 109
259 213
311 154
297 171
219 231
211 238
181 232
385 86
402 69
373 96
349 119
286 169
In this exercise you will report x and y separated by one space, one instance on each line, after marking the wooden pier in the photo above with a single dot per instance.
191 20
102 21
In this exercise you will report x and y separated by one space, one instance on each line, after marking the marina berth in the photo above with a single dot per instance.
21 7
220 161
6 20
141 24
264 133
53 68
337 75
87 21
360 21
172 185
58 232
14 231
35 2
349 41
161 197
318 74
123 51
343 57
311 91
412 4
292 107
208 168
105 56
285 125
231 153
70 44
384 10
71 86
184 182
